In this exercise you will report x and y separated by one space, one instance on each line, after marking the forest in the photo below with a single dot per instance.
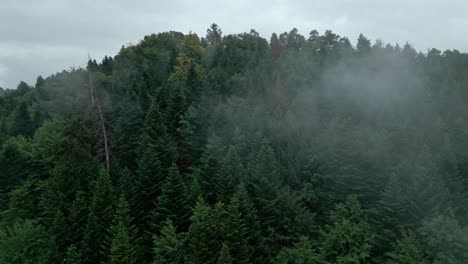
237 149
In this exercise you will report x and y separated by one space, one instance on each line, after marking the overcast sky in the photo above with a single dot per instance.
41 37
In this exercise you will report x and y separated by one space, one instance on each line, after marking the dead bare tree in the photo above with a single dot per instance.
96 107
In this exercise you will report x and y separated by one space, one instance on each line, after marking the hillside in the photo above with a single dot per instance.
238 149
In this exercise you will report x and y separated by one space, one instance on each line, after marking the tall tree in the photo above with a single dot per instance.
173 203
169 245
121 243
99 219
213 34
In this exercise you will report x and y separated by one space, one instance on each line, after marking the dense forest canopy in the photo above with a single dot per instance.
237 149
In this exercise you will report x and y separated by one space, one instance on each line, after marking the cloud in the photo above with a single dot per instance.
40 37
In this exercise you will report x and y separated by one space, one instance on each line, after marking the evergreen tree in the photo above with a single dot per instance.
73 256
22 121
169 245
348 239
406 250
213 34
99 218
205 233
25 242
237 236
303 252
224 255
121 239
231 171
173 203
249 218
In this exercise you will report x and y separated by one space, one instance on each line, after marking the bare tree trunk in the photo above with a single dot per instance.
96 105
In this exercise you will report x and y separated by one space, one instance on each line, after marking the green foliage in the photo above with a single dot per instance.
24 242
232 149
169 245
348 238
224 255
302 253
406 250
204 233
445 239
73 256
121 238
173 203
99 218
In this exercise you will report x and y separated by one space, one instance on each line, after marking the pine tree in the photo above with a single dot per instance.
78 216
120 244
248 216
230 173
99 218
348 239
73 256
213 34
173 203
406 250
236 233
224 255
444 239
205 233
303 252
22 121
195 190
156 134
168 246
192 130
210 165
60 233
25 243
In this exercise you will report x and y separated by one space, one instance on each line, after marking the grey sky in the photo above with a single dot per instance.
41 37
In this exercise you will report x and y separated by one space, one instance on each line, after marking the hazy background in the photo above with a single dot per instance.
40 37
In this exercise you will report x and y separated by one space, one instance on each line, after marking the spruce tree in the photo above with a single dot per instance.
173 203
73 256
120 244
230 173
169 245
224 255
99 218
348 238
205 233
406 250
236 234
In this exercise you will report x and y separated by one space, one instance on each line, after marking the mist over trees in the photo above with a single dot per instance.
237 149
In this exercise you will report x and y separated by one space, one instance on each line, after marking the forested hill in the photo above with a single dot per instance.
238 149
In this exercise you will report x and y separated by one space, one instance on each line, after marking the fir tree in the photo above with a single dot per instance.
120 244
169 245
406 250
73 256
173 203
224 255
99 218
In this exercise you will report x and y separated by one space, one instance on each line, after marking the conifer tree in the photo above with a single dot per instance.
173 203
169 245
248 216
73 256
224 255
205 233
99 218
348 239
406 250
230 173
236 233
120 244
